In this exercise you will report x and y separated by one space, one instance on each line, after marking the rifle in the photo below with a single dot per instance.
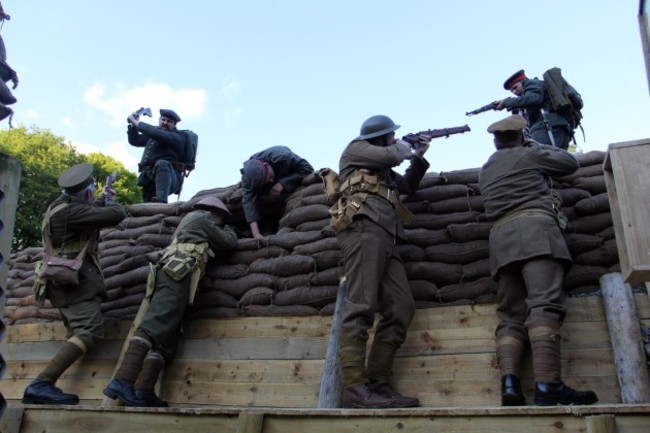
490 106
109 192
414 138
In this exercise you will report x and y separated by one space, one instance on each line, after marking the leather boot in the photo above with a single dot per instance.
150 399
146 382
511 394
124 392
552 394
41 392
386 390
362 396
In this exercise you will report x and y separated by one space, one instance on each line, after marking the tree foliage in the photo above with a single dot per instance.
43 157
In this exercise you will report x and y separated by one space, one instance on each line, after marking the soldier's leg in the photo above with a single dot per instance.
166 180
511 333
544 277
85 324
396 309
364 252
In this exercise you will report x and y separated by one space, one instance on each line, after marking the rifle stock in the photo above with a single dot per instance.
414 138
490 106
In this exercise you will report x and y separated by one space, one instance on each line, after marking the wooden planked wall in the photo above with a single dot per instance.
447 360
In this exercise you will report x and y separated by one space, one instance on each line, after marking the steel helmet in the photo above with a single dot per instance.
376 126
212 204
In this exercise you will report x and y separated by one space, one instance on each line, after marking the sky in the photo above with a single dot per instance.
249 74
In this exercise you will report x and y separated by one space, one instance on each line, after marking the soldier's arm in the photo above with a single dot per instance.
172 139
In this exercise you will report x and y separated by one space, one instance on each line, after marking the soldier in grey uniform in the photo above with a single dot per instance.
200 235
75 218
7 73
534 100
164 147
375 276
528 259
273 171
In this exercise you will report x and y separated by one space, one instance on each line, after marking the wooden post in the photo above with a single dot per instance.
331 384
12 420
625 335
250 422
601 424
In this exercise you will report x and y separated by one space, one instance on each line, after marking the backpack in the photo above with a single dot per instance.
565 99
191 149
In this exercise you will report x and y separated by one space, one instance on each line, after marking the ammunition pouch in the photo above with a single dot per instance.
183 259
332 184
354 192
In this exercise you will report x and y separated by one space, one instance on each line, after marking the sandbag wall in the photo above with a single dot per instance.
296 271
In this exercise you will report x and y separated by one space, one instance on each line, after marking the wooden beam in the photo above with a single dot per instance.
625 335
250 422
12 420
331 383
601 424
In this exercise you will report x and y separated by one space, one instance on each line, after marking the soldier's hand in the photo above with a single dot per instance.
14 80
424 145
500 105
276 189
133 119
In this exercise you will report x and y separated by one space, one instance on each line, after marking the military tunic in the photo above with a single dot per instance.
159 145
70 227
375 275
535 97
171 297
289 171
528 253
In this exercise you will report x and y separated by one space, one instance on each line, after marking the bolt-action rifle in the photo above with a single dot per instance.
414 138
109 191
490 106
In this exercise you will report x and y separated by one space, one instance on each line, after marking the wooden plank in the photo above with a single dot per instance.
45 350
55 331
12 420
67 421
250 422
601 424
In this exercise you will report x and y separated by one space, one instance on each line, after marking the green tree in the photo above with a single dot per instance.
44 156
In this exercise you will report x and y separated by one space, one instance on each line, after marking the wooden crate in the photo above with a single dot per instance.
627 176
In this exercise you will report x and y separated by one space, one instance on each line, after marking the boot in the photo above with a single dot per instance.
119 389
511 394
386 390
42 389
150 399
144 386
41 392
509 353
552 394
362 396
380 369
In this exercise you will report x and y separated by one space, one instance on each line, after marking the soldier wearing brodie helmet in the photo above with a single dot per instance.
370 223
75 219
528 259
200 236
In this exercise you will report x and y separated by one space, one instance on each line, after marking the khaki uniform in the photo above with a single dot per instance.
528 255
197 239
375 276
70 227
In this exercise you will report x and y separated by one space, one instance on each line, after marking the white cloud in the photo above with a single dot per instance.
188 103
230 90
119 150
67 121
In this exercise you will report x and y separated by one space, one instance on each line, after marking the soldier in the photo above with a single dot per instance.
161 172
199 236
528 259
273 171
374 272
6 74
544 124
75 220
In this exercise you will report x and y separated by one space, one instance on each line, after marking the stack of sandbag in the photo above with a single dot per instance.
296 271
